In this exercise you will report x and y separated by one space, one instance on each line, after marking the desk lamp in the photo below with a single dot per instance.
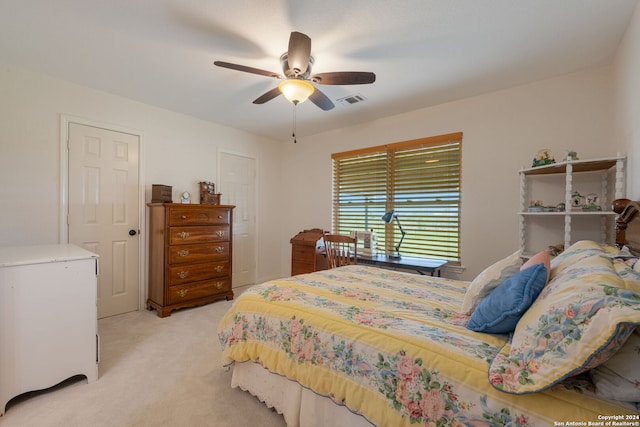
388 217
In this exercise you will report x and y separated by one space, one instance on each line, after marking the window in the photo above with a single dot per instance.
419 179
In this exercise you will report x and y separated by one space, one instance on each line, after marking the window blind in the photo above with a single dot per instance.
419 179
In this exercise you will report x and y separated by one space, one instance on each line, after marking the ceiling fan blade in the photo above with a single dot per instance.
267 96
299 52
247 69
321 100
344 78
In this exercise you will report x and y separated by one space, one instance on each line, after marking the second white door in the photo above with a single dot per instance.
238 187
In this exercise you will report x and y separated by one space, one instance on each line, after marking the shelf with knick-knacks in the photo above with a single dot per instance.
561 203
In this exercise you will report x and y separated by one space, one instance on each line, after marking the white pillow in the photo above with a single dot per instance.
489 279
618 377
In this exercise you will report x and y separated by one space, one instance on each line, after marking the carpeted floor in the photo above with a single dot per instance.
152 372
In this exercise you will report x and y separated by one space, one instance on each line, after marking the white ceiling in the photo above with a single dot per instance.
423 52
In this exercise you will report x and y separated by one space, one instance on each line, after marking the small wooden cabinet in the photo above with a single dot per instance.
190 249
307 252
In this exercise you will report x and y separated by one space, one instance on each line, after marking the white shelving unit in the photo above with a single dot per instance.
556 183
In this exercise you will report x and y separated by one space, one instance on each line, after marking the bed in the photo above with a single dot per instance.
555 342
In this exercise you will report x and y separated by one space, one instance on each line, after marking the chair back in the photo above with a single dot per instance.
340 250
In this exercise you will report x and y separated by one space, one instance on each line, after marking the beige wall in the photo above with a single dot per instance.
627 73
178 150
502 132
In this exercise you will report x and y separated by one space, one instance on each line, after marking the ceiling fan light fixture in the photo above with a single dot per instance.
296 90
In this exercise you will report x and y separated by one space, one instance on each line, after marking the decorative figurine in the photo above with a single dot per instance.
185 198
543 157
556 250
577 201
208 194
572 155
536 206
591 203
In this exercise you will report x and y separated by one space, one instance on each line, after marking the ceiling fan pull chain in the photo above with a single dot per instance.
295 141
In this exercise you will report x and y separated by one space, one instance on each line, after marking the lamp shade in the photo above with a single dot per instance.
296 90
388 216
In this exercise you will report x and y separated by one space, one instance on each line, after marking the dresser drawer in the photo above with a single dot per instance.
180 254
302 268
198 234
191 291
193 272
303 253
198 215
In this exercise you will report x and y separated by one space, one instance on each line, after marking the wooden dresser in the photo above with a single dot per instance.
189 255
307 252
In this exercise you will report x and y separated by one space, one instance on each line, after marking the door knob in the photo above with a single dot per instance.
132 232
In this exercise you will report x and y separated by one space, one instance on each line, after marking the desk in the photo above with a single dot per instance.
421 265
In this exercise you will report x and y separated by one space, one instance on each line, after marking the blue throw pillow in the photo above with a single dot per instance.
499 312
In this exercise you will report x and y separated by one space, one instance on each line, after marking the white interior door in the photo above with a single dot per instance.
103 210
238 187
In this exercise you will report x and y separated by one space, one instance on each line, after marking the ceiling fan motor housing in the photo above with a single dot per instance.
295 73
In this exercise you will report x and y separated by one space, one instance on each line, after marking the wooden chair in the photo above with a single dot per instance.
340 250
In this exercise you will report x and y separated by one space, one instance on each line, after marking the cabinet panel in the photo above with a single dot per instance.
302 268
303 253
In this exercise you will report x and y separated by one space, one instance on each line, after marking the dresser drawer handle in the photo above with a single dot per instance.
219 285
220 217
220 233
183 217
220 249
182 292
183 274
183 235
183 253
218 268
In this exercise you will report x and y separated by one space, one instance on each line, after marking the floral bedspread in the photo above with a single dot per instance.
392 347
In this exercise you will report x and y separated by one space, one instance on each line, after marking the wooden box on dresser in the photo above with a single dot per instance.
190 249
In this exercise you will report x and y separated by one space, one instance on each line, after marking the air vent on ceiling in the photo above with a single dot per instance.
351 99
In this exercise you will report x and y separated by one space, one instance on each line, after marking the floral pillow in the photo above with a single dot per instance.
574 254
543 257
581 318
499 312
489 279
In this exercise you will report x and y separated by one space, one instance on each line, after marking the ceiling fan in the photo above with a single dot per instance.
296 82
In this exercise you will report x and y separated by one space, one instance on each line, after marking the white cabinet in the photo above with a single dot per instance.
541 227
48 317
